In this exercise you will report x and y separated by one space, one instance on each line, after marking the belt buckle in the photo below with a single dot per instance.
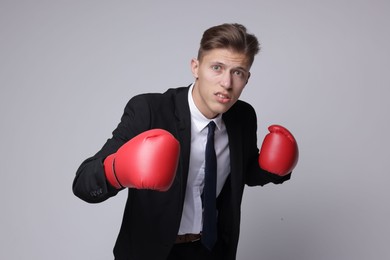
197 238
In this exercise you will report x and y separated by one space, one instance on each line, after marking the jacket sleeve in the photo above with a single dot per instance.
262 177
256 175
90 183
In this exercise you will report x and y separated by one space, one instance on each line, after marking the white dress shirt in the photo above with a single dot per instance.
191 221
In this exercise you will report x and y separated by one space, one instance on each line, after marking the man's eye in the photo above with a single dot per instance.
216 67
239 73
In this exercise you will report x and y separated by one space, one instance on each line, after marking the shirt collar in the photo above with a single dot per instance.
197 118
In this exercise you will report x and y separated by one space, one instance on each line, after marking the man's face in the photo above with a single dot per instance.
221 75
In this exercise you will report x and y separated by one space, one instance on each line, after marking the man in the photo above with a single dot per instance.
165 213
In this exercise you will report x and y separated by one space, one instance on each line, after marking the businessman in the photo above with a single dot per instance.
185 156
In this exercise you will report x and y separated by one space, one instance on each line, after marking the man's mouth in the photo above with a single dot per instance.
222 98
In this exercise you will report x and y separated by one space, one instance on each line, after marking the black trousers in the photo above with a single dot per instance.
191 251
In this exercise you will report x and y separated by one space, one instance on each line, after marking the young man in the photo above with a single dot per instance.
159 152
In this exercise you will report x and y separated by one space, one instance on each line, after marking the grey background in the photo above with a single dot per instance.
67 69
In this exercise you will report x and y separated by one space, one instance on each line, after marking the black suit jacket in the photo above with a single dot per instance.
151 219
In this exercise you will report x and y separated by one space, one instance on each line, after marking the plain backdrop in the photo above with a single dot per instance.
67 69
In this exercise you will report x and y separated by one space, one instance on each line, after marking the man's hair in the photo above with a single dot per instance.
230 36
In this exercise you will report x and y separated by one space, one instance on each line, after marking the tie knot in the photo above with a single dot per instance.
211 126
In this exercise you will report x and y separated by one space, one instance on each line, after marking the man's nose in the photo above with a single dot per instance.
226 80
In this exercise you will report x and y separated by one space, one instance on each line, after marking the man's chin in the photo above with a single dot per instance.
222 109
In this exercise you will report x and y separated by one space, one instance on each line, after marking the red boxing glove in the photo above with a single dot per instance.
147 161
279 151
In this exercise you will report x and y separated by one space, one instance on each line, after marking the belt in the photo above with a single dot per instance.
186 238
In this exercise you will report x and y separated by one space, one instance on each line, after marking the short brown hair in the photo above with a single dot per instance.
229 36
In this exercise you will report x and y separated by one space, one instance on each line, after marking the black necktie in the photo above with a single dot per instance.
209 232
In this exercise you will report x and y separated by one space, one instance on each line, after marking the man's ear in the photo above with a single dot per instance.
249 75
195 67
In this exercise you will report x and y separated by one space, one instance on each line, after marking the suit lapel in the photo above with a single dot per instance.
183 124
235 147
